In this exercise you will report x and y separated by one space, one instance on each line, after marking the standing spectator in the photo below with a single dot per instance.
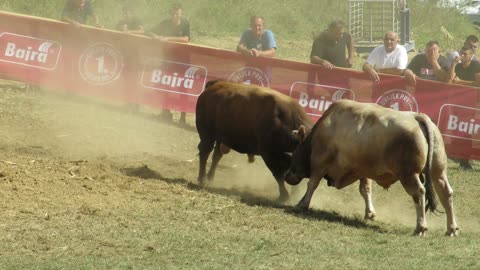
177 29
464 70
471 41
130 23
389 58
430 65
330 47
77 12
257 41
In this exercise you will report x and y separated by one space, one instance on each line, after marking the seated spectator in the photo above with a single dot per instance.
257 41
464 70
328 49
430 65
130 23
176 29
389 58
77 12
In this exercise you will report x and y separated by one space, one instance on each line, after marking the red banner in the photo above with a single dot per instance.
137 69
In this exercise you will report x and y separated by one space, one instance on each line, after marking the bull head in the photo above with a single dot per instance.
300 164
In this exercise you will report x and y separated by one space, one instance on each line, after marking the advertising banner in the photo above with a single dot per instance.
140 70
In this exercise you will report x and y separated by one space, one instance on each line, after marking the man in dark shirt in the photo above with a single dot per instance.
130 23
76 12
329 48
430 65
464 70
176 29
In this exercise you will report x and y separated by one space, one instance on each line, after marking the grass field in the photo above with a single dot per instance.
87 185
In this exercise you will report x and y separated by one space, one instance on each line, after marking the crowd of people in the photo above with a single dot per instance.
333 47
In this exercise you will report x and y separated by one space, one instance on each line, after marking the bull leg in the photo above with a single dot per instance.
204 148
278 164
312 185
414 188
217 155
445 192
365 189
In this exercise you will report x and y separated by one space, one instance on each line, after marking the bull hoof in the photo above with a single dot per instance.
283 198
251 158
370 216
300 209
202 180
210 177
420 231
453 232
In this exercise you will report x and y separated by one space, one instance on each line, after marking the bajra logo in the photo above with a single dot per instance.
29 51
399 100
101 64
250 75
316 98
174 77
458 121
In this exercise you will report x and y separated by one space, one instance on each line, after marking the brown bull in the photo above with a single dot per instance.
248 119
354 141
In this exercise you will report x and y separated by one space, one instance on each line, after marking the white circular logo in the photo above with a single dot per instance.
399 100
250 75
100 64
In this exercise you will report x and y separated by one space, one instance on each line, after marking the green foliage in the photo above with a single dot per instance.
290 20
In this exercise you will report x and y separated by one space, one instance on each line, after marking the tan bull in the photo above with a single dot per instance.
354 141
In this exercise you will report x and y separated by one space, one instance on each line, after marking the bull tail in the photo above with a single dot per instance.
425 125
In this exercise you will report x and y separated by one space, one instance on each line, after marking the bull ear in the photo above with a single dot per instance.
302 133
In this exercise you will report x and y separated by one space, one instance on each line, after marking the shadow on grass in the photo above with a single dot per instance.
251 199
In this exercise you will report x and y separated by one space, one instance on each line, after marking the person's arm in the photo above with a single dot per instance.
266 53
392 71
242 45
456 80
451 72
271 46
69 20
440 73
184 39
368 68
241 48
410 76
315 55
350 50
139 31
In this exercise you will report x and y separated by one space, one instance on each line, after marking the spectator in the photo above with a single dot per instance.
177 29
470 41
257 41
328 49
389 58
430 65
130 23
77 12
464 70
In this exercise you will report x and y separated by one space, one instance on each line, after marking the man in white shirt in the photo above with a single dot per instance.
389 58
